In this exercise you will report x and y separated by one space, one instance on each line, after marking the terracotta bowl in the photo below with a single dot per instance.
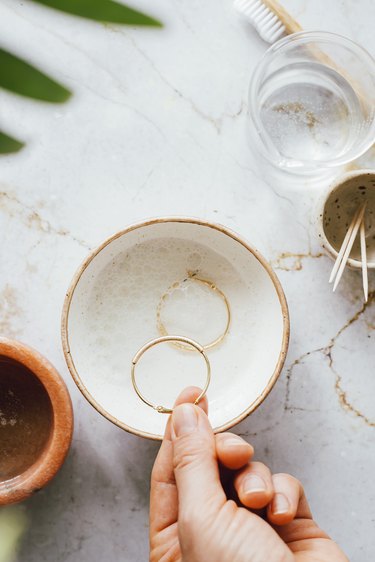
36 421
113 308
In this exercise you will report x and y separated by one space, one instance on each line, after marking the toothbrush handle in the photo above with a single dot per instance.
291 25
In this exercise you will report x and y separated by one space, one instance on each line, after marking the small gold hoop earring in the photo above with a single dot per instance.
192 276
176 339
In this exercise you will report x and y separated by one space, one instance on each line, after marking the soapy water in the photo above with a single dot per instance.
113 314
189 307
310 112
121 312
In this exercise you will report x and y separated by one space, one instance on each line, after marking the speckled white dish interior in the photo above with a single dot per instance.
336 211
110 312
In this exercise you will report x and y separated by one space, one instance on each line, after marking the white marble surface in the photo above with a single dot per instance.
157 126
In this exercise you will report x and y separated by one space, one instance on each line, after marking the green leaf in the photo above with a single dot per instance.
106 11
8 144
19 76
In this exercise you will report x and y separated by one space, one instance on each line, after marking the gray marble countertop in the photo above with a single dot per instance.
157 127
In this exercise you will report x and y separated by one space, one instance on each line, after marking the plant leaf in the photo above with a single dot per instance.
9 144
106 11
20 77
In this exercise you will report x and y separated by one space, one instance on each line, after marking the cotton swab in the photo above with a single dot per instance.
344 245
362 235
349 246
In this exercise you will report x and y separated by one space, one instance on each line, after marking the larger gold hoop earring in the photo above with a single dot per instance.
193 277
179 339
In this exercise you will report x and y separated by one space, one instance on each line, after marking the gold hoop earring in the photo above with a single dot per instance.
177 339
192 276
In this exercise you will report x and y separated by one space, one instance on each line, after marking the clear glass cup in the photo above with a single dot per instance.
312 103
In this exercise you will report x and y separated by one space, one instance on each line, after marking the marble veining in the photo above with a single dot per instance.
157 126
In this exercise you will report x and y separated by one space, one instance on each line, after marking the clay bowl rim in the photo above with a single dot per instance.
336 186
45 468
174 219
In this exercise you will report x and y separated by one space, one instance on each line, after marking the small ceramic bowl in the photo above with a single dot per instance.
36 421
336 209
111 311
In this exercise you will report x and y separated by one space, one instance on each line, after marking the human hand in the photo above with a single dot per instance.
209 503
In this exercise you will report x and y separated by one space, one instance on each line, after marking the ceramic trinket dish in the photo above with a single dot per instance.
111 310
336 209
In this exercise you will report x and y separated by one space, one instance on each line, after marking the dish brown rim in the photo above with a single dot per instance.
149 222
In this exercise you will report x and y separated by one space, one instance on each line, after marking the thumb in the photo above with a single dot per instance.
195 463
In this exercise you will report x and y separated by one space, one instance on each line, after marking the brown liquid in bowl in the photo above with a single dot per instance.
26 418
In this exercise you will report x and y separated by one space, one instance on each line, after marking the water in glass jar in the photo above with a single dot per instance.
310 113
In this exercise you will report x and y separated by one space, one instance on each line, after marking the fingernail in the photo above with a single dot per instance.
235 442
184 420
253 483
280 504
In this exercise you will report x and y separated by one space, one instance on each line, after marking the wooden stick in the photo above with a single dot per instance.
362 234
344 245
349 246
292 26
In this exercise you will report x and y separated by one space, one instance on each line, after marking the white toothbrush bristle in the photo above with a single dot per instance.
267 24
